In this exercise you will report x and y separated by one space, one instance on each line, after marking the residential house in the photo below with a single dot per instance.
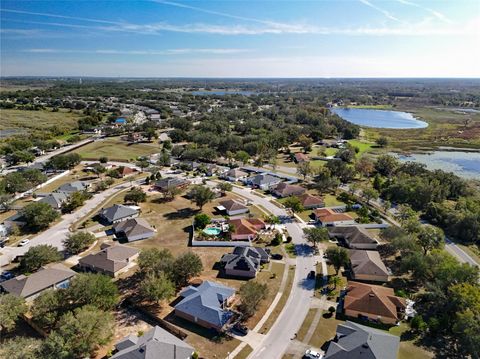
263 181
373 302
300 157
309 201
167 183
133 229
118 213
164 137
353 340
327 217
232 207
286 190
245 229
244 262
72 187
125 171
368 266
234 175
206 305
111 260
354 237
55 276
157 343
56 200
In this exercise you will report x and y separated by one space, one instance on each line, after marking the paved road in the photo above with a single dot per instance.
55 234
277 340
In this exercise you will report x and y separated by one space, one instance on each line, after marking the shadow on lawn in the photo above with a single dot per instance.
183 213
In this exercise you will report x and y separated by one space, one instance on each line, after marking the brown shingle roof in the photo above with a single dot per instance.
110 259
232 205
374 300
286 189
367 262
328 215
353 235
309 200
246 226
133 227
301 157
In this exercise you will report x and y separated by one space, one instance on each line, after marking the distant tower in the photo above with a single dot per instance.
80 81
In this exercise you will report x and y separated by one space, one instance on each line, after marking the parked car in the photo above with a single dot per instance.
277 256
241 329
23 242
312 354
6 275
311 275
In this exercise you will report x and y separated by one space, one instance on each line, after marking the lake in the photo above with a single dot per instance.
223 92
379 118
463 164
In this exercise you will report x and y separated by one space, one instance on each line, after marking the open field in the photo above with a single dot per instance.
445 128
22 120
245 352
116 150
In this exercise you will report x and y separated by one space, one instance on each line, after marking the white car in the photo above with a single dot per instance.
312 354
23 242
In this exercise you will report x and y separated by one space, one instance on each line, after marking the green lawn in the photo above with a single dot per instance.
116 149
408 349
244 353
331 200
363 146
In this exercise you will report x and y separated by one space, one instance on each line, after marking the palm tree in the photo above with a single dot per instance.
334 280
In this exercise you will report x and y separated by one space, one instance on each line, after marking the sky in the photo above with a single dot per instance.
336 38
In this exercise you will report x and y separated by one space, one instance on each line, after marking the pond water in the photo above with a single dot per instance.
223 92
463 164
379 118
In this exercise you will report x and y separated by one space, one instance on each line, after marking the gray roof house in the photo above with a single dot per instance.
55 199
75 186
244 262
133 229
354 237
171 182
232 207
111 260
117 213
355 341
263 181
367 265
157 343
49 277
206 305
234 175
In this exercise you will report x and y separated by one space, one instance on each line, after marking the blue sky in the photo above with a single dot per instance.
349 38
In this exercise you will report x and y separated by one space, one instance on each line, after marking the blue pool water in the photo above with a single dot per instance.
379 118
211 231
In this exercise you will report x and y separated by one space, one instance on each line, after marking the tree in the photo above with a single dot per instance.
251 294
325 182
306 143
63 162
316 235
382 141
242 157
20 347
93 289
75 200
430 237
370 193
98 169
294 204
386 205
341 169
304 169
224 187
386 165
79 333
171 192
364 166
5 202
271 219
164 158
338 257
143 163
103 159
39 215
14 182
19 157
135 195
11 308
201 220
47 306
154 261
346 154
334 280
77 242
38 256
186 266
157 287
201 195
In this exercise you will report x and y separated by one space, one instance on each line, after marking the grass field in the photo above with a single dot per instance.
116 149
445 128
37 120
244 353
363 146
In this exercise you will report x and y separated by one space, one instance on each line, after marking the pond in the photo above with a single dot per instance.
463 164
379 118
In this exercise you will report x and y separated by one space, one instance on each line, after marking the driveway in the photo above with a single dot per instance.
277 340
58 232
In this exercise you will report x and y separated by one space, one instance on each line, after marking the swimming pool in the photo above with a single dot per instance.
212 231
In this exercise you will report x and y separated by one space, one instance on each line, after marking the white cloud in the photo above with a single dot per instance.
386 13
435 13
181 51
